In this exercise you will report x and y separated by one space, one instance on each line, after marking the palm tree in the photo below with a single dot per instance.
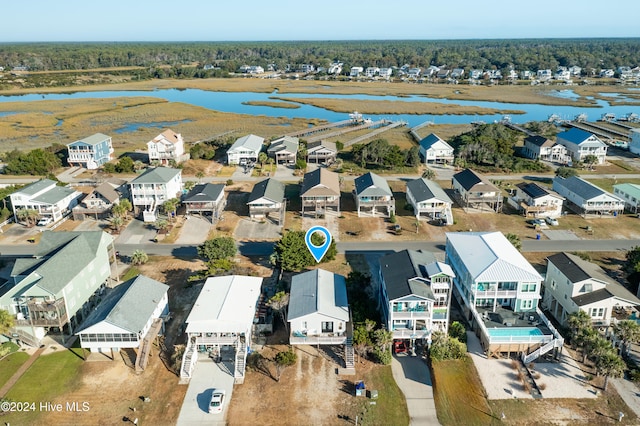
188 185
262 158
29 216
117 222
578 321
162 224
627 332
428 174
609 365
139 257
279 303
199 175
170 207
515 240
119 211
383 338
270 162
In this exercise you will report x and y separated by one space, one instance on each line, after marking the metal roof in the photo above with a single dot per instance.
423 190
160 175
204 192
372 185
579 137
286 143
128 306
580 187
631 189
96 139
270 189
404 272
490 257
251 142
55 194
433 140
36 187
318 291
225 304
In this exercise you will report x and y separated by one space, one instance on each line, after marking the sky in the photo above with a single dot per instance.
251 20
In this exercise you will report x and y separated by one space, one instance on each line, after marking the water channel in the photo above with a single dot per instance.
233 102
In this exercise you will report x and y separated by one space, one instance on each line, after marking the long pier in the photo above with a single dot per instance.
518 128
598 130
349 129
369 135
316 129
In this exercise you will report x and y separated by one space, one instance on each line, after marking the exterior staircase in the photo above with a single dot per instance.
240 361
349 358
145 348
555 343
189 360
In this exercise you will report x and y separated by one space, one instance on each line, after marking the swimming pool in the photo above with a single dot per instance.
514 331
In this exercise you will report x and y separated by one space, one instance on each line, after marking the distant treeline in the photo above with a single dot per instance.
522 54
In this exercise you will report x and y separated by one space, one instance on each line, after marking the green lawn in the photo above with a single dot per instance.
50 376
390 407
459 395
10 365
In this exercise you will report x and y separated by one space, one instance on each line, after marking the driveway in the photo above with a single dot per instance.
206 376
195 230
412 375
137 232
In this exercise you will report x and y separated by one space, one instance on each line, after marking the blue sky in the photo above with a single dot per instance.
220 20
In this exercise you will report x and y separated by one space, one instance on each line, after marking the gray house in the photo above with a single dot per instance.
205 199
372 193
266 199
284 150
429 201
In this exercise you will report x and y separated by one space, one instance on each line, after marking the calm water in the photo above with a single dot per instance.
233 102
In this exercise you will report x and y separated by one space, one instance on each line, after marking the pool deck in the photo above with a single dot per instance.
506 318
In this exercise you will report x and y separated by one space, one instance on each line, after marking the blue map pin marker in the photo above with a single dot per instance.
318 252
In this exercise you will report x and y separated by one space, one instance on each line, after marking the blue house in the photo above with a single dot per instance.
91 152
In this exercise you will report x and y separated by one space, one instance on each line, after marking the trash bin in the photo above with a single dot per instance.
360 388
537 236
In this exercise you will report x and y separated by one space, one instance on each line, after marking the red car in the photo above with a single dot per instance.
400 347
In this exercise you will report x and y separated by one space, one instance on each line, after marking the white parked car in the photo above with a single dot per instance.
551 221
217 401
45 221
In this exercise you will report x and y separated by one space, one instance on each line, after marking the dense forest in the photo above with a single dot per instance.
522 54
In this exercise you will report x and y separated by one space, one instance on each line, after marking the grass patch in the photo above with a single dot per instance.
390 408
459 395
226 171
50 376
272 104
10 365
132 272
623 165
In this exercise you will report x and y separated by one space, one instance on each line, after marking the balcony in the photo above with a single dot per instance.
300 338
45 314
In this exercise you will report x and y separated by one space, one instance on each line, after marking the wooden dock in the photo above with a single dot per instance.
349 129
376 132
598 130
316 129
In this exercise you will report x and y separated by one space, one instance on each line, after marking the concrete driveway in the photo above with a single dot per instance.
257 231
412 375
137 232
206 376
195 230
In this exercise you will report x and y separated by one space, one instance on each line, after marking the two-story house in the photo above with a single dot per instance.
206 199
541 148
498 291
534 200
475 191
372 194
245 150
630 193
284 150
415 294
221 322
573 284
580 144
56 288
586 199
152 188
267 200
98 203
321 152
429 201
320 192
433 149
168 146
91 152
129 316
47 198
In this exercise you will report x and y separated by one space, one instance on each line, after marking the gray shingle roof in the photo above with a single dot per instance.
576 269
592 297
107 191
204 192
372 185
128 306
423 189
314 146
323 181
269 188
468 179
288 143
539 141
318 291
400 270
157 175
252 142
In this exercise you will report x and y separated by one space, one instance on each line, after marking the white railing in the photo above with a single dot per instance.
317 340
216 340
407 333
189 360
409 314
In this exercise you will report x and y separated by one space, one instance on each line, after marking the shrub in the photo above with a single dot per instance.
229 182
382 356
542 386
457 331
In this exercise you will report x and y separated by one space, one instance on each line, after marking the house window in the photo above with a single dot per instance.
304 325
553 284
597 312
327 327
527 304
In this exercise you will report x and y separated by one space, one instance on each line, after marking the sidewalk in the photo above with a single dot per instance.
23 368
